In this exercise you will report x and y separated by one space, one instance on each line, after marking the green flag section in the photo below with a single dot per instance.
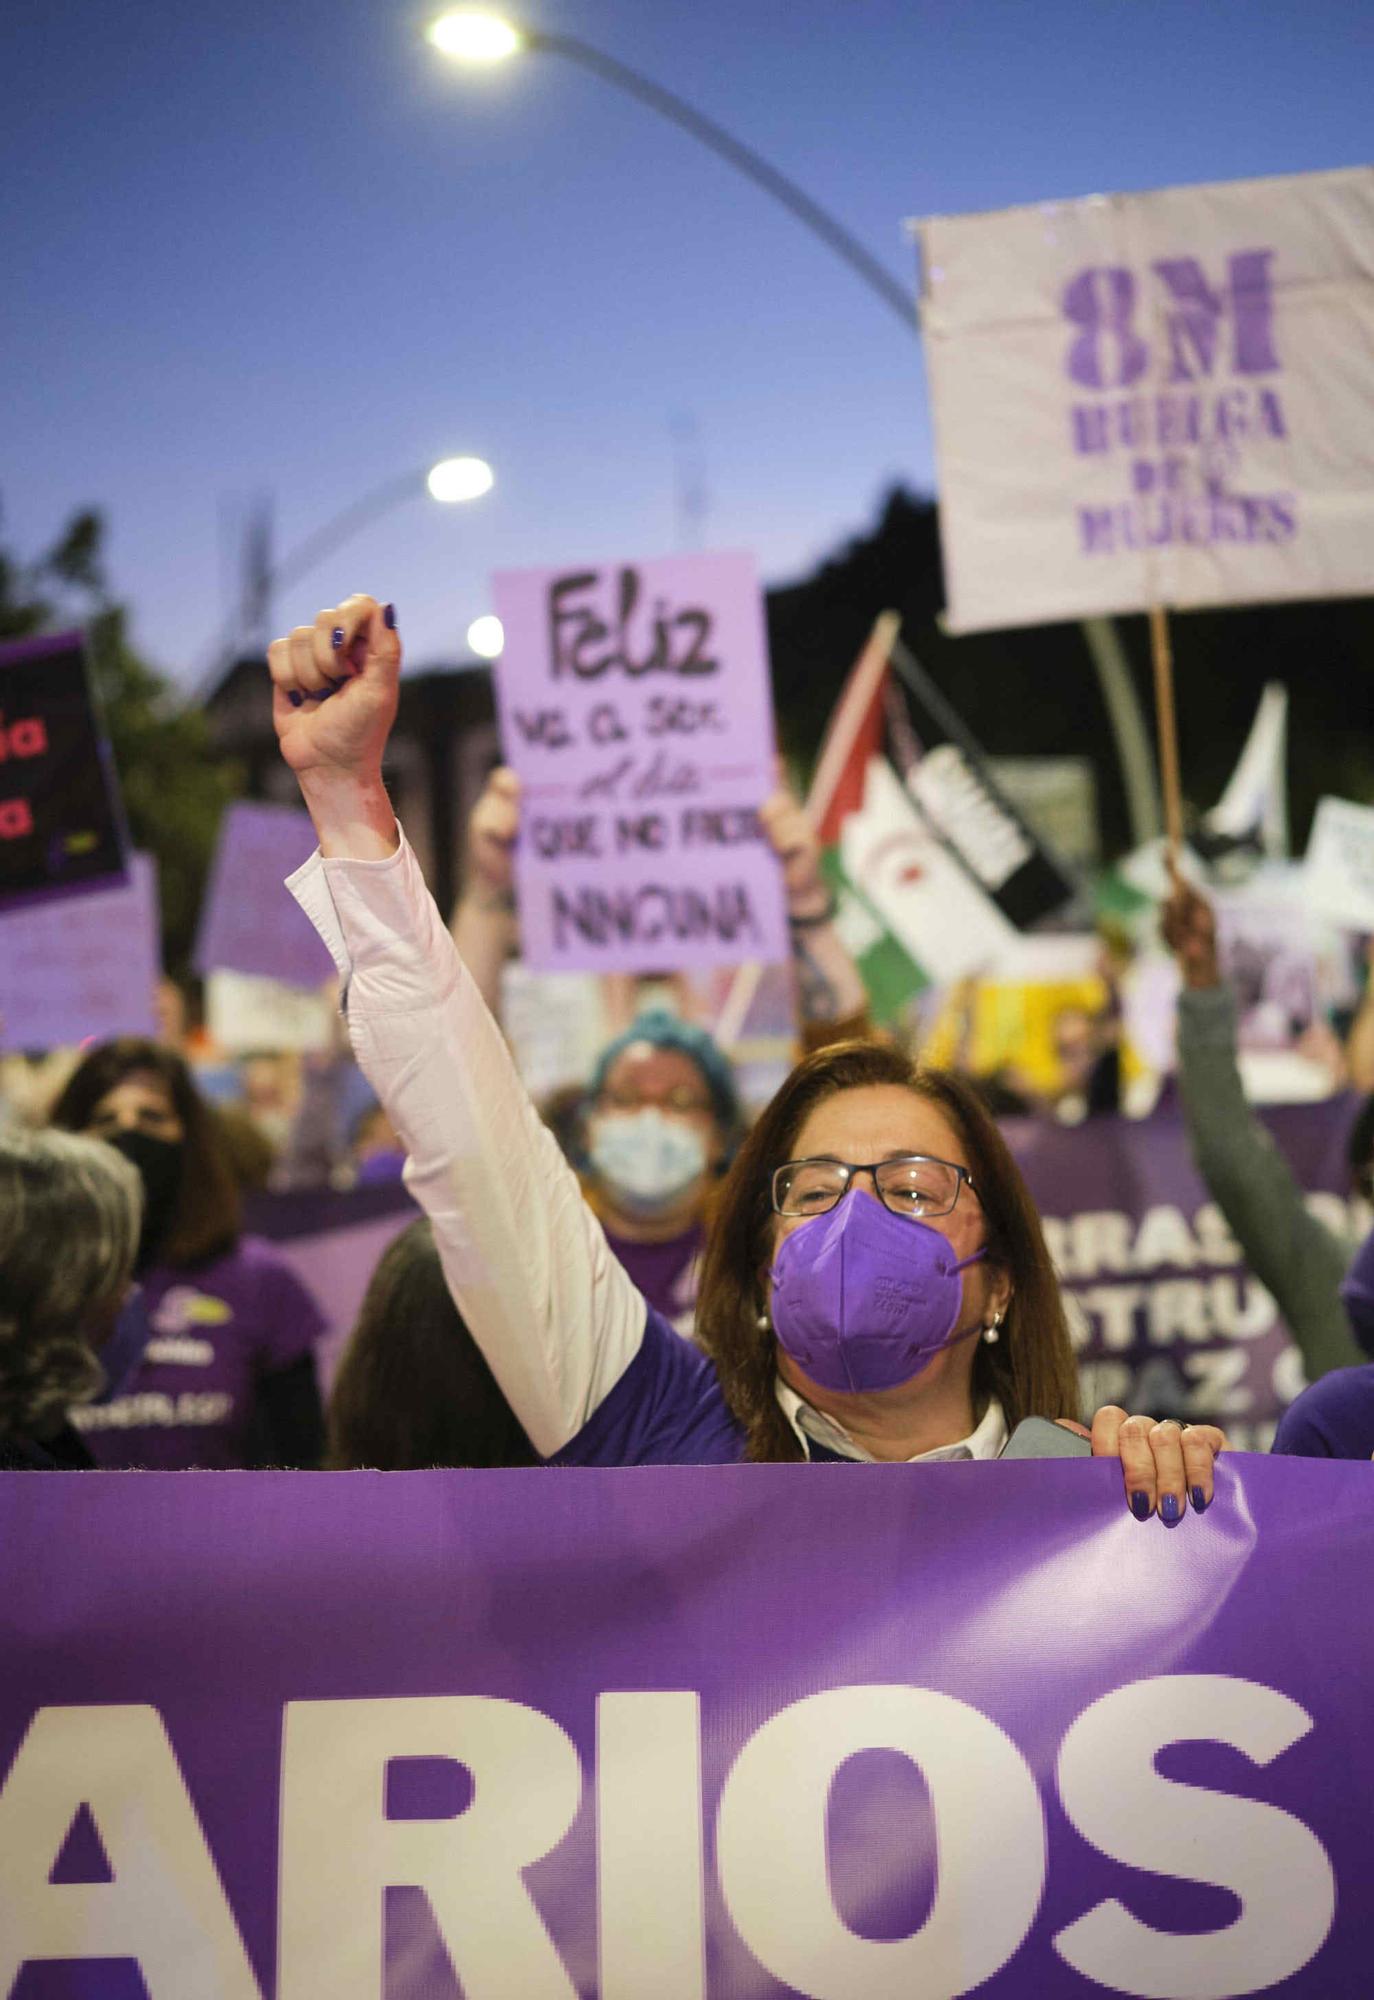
889 972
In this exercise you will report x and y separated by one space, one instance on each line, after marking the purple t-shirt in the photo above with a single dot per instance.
666 1274
214 1331
666 1409
1332 1419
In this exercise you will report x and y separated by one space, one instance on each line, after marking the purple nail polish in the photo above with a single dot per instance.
336 637
1199 1500
1140 1506
294 698
1170 1510
389 617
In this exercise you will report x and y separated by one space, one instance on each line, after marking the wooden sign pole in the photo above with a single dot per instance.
1167 724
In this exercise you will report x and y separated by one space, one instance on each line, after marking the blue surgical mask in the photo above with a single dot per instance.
646 1160
865 1299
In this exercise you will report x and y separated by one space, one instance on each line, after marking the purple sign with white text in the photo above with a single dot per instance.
635 706
703 1734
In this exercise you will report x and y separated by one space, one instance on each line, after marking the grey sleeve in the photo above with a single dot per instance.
1296 1257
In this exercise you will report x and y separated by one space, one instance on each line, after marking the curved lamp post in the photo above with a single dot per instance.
449 481
471 35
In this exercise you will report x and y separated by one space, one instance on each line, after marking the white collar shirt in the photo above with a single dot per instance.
986 1440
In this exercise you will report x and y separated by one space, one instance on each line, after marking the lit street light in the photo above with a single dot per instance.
450 481
474 36
486 637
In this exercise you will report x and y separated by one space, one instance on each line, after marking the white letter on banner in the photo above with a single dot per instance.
648 1846
340 1853
1270 1860
165 1906
990 1843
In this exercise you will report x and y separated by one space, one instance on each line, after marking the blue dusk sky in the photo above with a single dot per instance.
281 246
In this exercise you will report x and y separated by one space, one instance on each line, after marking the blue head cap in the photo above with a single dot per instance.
668 1031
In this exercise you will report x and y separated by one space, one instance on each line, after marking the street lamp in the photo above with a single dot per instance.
473 35
450 481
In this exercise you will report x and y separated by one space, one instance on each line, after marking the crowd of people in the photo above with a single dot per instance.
635 1273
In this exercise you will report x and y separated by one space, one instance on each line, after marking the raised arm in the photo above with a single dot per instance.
831 997
483 923
526 1262
1295 1256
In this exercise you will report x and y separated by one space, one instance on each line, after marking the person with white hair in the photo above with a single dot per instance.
71 1210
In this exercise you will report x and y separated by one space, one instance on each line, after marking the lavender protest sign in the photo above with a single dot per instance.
1162 398
634 704
250 922
1166 1315
514 1734
83 968
61 821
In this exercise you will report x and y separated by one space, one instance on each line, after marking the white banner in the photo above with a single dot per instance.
1339 872
1162 398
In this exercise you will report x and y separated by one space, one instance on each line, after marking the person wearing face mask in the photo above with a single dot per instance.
661 1120
222 1328
70 1215
876 1283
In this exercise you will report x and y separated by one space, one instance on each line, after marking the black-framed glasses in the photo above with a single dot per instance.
913 1185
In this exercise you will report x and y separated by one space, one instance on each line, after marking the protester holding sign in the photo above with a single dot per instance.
70 1213
662 1115
1295 1256
227 1375
900 1233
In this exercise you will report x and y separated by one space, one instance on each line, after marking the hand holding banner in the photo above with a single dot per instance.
635 708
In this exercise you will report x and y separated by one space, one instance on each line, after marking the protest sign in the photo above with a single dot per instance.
82 968
1338 873
612 1733
332 1239
61 822
250 921
1166 1316
634 704
246 1013
1154 399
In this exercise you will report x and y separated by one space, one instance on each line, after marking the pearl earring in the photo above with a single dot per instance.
990 1332
763 1322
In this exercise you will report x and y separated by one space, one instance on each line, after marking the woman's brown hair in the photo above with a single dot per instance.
207 1219
413 1388
1030 1370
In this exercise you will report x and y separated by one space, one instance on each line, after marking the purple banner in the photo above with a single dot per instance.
1166 1315
515 1734
635 705
250 921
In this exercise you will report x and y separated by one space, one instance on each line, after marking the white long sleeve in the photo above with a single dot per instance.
556 1316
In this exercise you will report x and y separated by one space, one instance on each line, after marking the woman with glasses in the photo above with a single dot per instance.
876 1286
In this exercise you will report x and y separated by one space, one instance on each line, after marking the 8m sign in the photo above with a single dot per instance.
1154 399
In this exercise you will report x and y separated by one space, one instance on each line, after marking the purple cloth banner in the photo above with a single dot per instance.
625 1734
250 921
1167 1316
635 705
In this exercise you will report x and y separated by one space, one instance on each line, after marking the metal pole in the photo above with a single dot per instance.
1118 690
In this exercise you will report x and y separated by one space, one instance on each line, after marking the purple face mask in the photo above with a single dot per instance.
864 1299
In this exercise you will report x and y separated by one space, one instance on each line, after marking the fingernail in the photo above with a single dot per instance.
294 698
1140 1506
389 617
1170 1512
1199 1500
336 637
